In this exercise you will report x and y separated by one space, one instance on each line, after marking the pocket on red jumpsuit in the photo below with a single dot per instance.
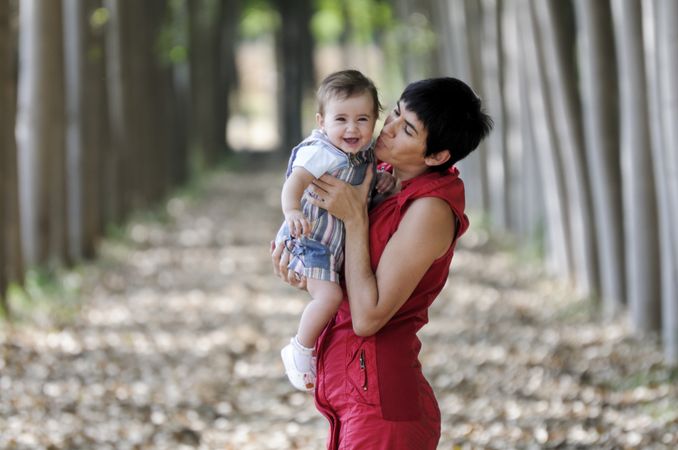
361 372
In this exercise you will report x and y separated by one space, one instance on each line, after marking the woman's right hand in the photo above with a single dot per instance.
343 200
280 257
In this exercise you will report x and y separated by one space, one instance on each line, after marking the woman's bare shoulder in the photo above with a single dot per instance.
431 219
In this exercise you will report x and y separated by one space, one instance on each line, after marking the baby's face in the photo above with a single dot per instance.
349 122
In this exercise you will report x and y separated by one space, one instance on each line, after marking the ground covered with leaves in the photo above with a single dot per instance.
173 342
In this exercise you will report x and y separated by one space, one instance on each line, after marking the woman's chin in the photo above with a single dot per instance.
380 152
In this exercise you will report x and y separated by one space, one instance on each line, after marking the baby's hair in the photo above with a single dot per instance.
345 84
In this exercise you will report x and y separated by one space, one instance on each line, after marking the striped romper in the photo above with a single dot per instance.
320 255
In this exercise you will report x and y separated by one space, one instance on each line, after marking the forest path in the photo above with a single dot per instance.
177 346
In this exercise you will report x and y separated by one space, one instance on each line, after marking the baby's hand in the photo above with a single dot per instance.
297 223
385 182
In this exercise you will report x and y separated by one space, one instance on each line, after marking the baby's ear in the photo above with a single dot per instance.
320 120
438 158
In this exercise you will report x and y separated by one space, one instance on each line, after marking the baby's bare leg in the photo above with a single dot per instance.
326 297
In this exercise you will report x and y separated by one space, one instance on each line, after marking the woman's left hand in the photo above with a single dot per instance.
280 257
343 200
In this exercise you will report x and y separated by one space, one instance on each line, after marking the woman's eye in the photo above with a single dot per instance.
407 131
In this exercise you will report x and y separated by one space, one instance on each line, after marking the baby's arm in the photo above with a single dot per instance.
386 182
292 191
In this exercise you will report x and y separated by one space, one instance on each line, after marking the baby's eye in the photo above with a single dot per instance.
364 119
340 119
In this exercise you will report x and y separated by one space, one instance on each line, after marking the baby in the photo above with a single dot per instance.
348 107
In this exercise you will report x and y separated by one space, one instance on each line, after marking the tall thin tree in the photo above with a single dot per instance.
11 230
41 132
75 29
521 174
558 35
598 70
205 43
116 185
6 137
493 85
294 59
96 128
465 22
640 207
665 15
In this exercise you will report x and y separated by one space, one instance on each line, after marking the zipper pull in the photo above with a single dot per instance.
363 368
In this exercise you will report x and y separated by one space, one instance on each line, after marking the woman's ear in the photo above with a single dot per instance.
437 158
319 120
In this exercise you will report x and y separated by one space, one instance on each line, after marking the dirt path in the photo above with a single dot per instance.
177 347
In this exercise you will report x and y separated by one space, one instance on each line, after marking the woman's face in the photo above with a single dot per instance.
402 141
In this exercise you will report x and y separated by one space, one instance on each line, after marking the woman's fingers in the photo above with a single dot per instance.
367 181
327 181
280 257
276 252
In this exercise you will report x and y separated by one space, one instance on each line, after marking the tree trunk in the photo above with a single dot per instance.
41 133
7 144
228 77
97 137
664 15
293 61
521 173
558 35
465 21
496 144
149 134
600 110
116 184
75 30
160 74
443 28
550 166
139 161
640 210
415 63
205 31
178 87
11 230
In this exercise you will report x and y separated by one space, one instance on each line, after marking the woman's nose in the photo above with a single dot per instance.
389 126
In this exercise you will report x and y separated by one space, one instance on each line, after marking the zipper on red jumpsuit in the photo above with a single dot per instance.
363 368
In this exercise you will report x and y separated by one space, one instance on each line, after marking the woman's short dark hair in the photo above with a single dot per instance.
452 114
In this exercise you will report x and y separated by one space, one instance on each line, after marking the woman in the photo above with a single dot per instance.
370 384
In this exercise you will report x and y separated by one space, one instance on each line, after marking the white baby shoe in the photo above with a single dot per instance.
291 354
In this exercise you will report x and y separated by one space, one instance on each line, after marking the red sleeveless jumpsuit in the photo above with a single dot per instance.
372 389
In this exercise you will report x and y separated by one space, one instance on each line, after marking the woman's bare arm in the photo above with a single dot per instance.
425 233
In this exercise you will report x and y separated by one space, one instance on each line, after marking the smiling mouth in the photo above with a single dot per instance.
351 141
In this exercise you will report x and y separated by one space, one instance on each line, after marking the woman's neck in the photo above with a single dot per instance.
404 175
